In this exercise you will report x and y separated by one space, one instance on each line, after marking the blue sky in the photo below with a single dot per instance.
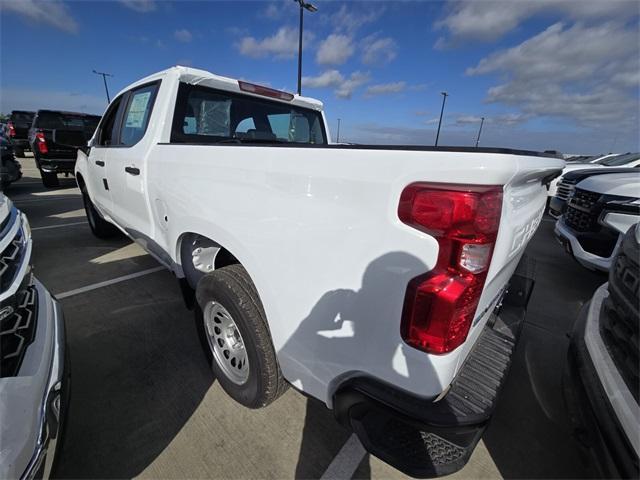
545 74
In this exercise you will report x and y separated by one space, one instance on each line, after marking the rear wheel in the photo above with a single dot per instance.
49 179
98 225
236 338
19 152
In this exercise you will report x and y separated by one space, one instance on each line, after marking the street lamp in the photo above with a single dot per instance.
444 99
104 78
479 131
311 8
338 136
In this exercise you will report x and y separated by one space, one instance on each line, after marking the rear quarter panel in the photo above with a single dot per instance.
317 230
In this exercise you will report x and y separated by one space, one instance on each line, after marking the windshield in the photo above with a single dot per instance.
619 160
206 115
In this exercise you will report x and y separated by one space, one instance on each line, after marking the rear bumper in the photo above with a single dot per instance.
57 165
596 424
424 438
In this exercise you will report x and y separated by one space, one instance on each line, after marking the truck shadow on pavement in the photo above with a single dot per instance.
341 329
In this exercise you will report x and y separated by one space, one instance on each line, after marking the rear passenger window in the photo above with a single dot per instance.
207 115
136 115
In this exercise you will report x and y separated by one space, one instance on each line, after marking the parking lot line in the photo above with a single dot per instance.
106 283
59 226
345 463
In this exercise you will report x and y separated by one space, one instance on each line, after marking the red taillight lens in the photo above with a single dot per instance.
12 129
440 306
42 143
265 91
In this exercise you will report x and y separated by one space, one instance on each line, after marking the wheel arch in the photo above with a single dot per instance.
220 255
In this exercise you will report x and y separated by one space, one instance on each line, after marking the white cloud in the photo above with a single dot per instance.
273 11
283 44
385 88
335 50
183 35
53 12
585 73
142 6
348 20
355 80
30 99
489 20
343 86
330 78
468 119
378 51
501 119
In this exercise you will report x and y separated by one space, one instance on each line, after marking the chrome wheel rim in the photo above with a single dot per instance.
226 343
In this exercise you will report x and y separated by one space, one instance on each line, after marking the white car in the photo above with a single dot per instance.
602 379
33 375
599 212
561 189
365 276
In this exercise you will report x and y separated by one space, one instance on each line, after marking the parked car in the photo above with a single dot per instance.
599 212
568 181
602 378
629 160
19 124
10 169
328 267
55 137
33 380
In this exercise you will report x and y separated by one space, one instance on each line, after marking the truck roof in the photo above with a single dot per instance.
195 76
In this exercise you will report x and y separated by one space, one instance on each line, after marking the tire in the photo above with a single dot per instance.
98 225
229 292
18 152
49 179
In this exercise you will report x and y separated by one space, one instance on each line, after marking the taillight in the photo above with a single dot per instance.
440 305
12 129
42 143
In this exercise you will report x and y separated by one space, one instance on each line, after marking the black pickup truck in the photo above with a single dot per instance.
55 137
19 124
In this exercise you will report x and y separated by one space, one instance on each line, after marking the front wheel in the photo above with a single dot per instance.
236 338
98 225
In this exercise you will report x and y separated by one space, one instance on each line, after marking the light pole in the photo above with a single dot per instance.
311 8
104 78
444 99
338 135
479 132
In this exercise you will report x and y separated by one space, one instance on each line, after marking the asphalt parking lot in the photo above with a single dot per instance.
145 404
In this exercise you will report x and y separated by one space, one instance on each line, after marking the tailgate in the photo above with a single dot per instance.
524 202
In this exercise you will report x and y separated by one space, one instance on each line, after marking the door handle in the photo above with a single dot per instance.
132 170
100 163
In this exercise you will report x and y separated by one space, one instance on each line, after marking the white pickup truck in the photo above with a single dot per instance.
366 276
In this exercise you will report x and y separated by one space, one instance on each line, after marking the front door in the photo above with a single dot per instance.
127 161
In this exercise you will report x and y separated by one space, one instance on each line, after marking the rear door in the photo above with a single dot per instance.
126 162
105 138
